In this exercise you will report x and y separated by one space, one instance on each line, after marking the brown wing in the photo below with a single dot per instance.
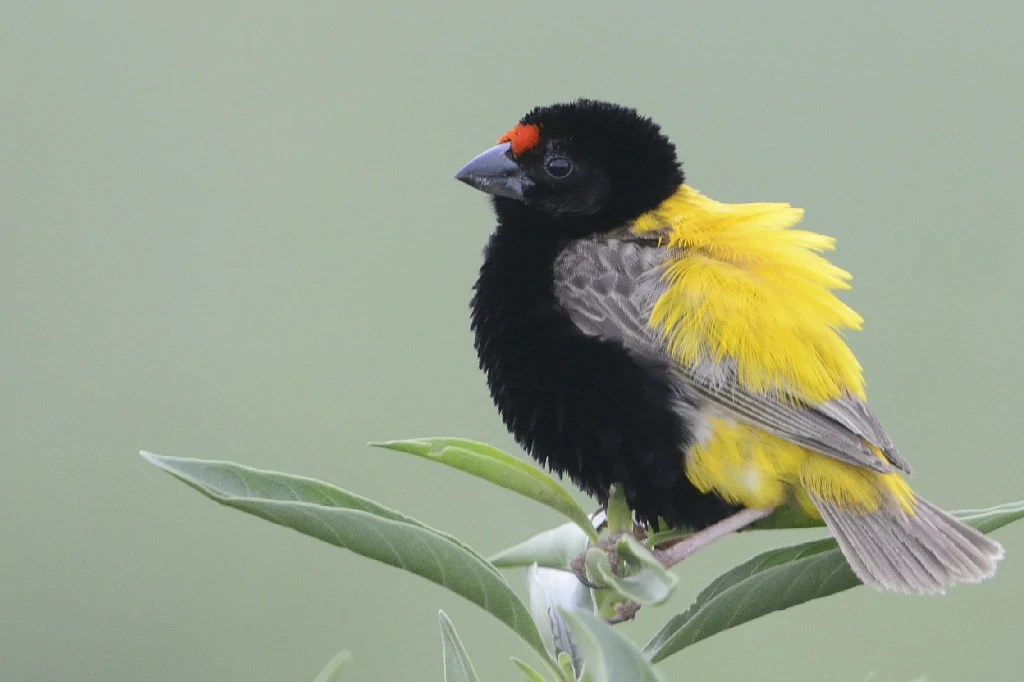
609 286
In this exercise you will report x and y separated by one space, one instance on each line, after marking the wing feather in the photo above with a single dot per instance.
609 287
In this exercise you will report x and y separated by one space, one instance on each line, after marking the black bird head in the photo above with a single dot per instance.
580 168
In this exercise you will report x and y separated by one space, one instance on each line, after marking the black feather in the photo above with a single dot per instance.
581 405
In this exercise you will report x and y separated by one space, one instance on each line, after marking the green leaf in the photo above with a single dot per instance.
565 662
643 587
993 518
598 569
620 516
779 579
648 582
531 674
500 468
227 479
656 538
457 666
369 529
332 671
787 517
608 656
552 548
769 582
550 590
782 518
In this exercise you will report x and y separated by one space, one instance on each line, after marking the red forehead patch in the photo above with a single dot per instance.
523 137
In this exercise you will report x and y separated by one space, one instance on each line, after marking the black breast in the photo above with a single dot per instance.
581 405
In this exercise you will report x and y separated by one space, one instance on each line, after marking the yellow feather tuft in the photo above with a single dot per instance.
744 286
752 468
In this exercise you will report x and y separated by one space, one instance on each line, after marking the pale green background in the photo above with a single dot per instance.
230 231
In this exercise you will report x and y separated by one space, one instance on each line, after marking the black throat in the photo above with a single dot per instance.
581 405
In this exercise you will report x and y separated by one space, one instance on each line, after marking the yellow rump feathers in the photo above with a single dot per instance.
745 287
752 468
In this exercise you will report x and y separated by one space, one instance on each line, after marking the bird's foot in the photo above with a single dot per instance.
578 564
672 553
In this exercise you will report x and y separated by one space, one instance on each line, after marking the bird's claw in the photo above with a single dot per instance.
578 565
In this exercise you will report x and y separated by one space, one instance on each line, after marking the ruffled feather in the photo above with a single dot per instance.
744 287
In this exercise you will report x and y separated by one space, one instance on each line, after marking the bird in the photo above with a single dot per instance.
636 332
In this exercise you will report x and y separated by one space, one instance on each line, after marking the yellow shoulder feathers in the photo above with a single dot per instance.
744 286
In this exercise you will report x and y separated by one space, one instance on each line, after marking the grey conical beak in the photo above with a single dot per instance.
495 172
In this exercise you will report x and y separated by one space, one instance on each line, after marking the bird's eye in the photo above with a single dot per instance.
558 166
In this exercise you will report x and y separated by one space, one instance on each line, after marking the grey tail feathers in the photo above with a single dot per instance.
920 553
